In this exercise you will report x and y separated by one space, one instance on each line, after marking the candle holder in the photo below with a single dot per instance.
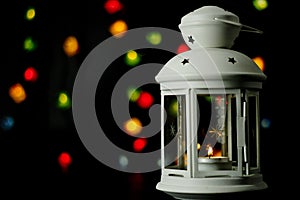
210 132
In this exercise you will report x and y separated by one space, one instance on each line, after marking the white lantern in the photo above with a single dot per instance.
210 111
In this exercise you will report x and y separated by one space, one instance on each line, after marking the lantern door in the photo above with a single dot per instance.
252 129
225 132
215 131
175 111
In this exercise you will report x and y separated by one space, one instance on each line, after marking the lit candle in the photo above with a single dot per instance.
214 163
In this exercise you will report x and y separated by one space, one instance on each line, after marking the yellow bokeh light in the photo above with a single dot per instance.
173 108
118 28
132 58
71 46
17 93
132 55
63 101
30 14
63 98
133 126
260 62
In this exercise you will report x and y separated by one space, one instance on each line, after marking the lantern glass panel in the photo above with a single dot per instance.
252 129
216 131
175 132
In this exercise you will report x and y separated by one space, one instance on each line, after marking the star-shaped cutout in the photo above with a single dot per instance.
232 60
185 61
191 40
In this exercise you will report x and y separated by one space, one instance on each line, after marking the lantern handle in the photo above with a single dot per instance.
249 28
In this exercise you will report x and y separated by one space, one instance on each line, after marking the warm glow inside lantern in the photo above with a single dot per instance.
210 111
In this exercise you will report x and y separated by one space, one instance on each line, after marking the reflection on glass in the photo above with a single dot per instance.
213 129
175 130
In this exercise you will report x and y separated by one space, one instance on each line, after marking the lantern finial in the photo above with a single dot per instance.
211 26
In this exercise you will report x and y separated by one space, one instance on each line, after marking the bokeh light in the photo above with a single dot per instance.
265 123
63 101
64 161
173 108
182 48
154 38
118 28
113 6
123 161
139 144
17 93
133 126
260 62
30 14
145 100
7 123
132 58
30 74
71 46
29 44
133 94
260 4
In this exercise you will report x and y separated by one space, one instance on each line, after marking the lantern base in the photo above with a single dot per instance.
212 187
218 196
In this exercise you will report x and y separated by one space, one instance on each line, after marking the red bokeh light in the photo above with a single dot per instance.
30 74
145 100
112 6
182 48
64 160
139 144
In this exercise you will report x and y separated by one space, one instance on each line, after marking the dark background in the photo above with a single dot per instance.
28 152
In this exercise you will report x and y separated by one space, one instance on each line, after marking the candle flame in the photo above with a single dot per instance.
210 151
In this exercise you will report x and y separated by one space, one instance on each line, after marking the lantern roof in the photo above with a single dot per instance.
211 65
210 31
